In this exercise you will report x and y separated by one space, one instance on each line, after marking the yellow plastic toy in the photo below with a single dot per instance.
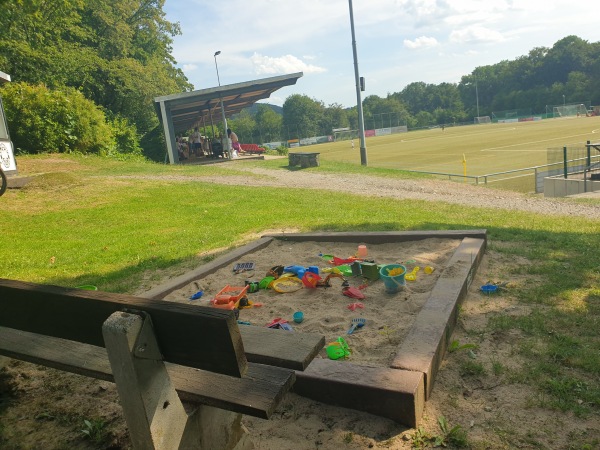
413 275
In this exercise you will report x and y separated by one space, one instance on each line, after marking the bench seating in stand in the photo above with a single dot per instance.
158 353
253 149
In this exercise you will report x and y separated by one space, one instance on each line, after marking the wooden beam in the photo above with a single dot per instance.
195 336
279 347
257 393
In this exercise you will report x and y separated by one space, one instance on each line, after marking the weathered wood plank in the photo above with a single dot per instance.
281 348
379 237
392 393
424 347
257 393
200 337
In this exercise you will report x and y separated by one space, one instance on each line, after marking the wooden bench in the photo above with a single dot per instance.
304 159
158 353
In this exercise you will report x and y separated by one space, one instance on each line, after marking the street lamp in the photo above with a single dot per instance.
226 138
361 125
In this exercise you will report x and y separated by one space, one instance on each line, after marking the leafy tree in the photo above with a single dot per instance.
244 126
302 116
268 124
334 116
117 54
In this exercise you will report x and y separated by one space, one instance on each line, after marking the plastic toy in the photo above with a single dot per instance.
354 306
325 282
299 271
243 267
286 284
230 294
353 292
197 295
413 275
358 322
338 349
253 286
489 289
275 272
280 323
265 283
310 280
298 316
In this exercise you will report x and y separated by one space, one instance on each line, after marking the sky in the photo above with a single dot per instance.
398 41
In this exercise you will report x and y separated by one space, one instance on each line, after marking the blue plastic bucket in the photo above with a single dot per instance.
392 283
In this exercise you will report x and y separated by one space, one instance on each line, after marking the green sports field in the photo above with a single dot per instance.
488 148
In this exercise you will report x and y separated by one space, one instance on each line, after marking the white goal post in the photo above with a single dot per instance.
483 119
570 110
345 135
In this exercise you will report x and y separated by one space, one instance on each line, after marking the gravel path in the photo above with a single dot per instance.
421 189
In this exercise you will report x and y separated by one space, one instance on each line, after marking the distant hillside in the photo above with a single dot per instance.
254 108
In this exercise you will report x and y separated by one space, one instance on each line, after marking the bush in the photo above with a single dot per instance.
125 136
153 144
62 120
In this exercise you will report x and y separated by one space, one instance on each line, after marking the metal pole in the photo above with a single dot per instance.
225 138
477 96
361 125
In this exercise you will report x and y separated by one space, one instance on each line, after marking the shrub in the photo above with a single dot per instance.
153 144
62 120
125 136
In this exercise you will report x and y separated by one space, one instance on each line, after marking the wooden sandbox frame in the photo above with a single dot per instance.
400 391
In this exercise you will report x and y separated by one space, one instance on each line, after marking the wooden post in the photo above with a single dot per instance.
154 413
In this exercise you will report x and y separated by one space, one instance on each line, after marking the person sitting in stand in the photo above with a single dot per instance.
180 149
217 148
235 143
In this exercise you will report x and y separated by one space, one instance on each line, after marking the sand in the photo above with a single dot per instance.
326 310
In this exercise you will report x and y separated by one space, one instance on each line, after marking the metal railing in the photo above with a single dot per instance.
518 181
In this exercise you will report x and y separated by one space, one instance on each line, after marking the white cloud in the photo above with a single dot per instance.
475 34
283 64
189 67
421 42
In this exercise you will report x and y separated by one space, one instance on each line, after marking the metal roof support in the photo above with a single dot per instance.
169 134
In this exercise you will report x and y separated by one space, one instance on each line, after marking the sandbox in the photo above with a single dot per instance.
395 356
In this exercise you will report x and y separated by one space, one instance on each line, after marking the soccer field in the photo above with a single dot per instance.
487 148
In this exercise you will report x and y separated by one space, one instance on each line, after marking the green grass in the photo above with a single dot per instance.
95 221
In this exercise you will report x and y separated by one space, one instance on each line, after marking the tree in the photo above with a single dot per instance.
268 124
302 116
334 116
244 126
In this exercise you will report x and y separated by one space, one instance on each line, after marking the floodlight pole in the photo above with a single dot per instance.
361 124
226 138
477 96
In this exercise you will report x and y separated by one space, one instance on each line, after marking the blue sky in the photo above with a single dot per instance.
398 41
